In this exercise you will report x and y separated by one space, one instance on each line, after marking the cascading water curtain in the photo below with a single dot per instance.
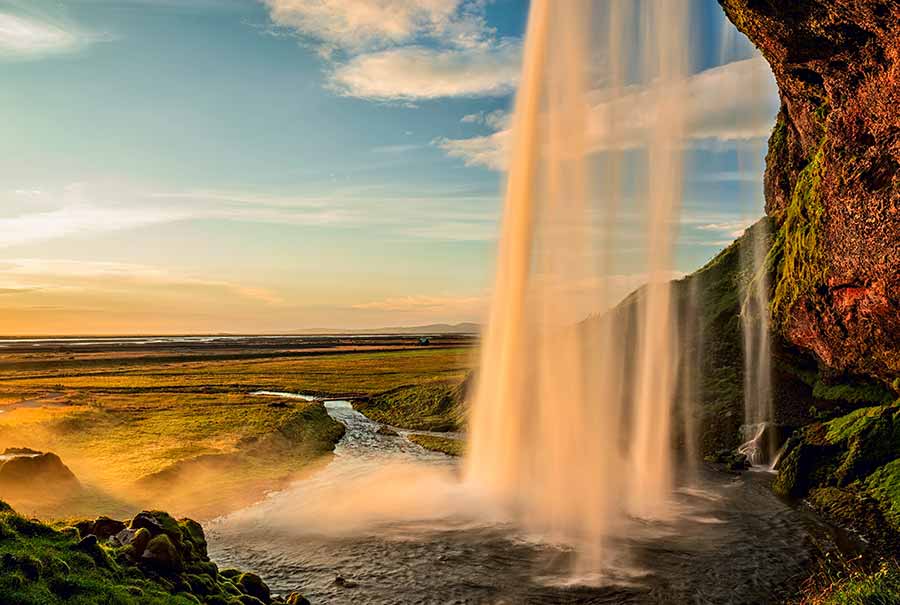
571 418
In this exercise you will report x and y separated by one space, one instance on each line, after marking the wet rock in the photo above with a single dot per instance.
162 554
251 584
295 598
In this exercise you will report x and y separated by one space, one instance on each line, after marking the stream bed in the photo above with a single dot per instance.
394 523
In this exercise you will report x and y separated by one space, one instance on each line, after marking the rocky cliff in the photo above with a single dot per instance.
832 178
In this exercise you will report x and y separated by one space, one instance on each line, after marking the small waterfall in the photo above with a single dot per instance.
759 444
555 435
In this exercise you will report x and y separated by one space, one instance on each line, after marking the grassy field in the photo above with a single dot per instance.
189 436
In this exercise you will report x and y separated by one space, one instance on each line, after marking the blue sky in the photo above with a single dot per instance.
244 165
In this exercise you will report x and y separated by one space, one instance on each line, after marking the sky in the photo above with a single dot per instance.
259 166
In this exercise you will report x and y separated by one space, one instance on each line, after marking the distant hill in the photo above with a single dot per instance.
460 328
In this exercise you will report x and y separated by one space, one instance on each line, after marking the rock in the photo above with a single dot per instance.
162 554
192 534
387 431
44 471
344 583
295 598
832 179
251 584
158 522
104 528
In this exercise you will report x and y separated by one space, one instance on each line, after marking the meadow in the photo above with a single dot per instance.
181 429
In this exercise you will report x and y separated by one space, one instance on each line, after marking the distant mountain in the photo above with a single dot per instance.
460 328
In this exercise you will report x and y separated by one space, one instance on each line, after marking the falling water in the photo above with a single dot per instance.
554 435
759 445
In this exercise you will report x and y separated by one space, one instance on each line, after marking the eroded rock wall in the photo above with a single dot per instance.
832 178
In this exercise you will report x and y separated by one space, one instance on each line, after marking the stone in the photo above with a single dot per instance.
295 598
251 584
162 554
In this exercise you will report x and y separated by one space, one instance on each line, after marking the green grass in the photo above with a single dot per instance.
445 445
842 584
430 406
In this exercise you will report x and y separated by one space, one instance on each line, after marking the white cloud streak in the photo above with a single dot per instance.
23 37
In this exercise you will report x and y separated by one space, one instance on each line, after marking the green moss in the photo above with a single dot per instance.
796 253
884 486
451 447
845 427
853 392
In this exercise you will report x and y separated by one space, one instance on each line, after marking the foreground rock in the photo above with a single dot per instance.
152 559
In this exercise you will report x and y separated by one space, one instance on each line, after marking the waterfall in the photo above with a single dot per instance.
554 434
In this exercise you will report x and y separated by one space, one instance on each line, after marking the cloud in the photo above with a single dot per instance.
416 72
719 109
495 120
28 37
355 26
404 50
395 148
77 218
63 275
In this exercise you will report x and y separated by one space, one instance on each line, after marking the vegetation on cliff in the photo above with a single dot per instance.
151 560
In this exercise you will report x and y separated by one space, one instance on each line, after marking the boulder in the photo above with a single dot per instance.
295 598
251 584
162 554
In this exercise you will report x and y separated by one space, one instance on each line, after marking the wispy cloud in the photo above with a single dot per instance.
414 73
26 37
495 120
718 108
404 50
395 148
22 275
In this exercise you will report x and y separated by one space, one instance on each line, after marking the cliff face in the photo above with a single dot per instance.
832 179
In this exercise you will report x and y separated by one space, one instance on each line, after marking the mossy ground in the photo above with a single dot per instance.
43 564
431 406
445 445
